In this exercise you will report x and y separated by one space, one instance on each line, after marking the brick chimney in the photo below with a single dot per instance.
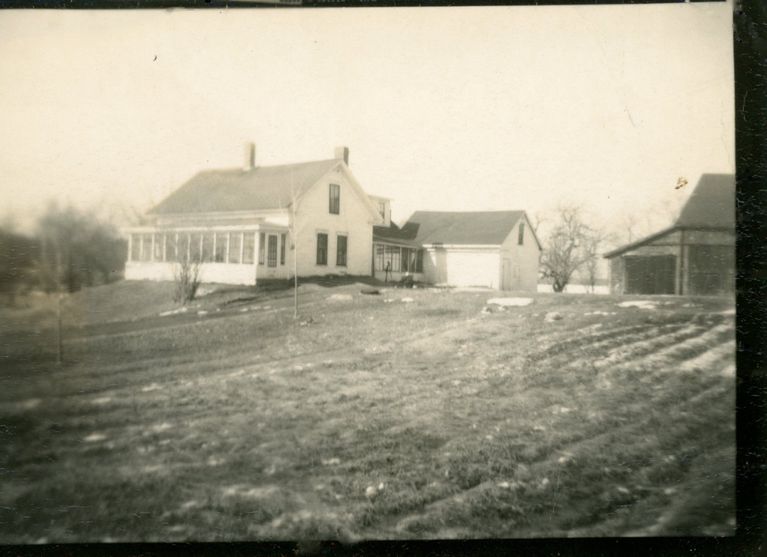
342 153
250 156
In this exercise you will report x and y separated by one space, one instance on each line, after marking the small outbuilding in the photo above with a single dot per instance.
694 256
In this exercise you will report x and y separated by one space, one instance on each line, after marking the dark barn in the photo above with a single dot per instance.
694 256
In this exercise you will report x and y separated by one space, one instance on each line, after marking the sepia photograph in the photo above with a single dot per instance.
435 273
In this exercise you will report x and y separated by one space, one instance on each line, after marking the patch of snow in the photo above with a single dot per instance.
202 312
94 438
30 403
622 489
101 400
340 297
173 311
407 300
669 491
641 304
728 312
510 301
331 461
164 426
601 313
150 387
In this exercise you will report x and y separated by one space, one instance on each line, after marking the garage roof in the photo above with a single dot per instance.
460 227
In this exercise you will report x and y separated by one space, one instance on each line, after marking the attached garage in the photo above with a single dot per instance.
494 249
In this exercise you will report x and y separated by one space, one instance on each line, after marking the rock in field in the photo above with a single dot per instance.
552 316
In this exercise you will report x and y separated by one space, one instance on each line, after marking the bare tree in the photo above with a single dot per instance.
570 245
593 244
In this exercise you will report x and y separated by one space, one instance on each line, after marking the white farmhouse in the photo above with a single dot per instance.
239 223
248 224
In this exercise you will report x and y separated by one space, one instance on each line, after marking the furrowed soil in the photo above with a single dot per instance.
368 417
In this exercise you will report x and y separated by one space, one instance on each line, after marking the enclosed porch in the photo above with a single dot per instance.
228 255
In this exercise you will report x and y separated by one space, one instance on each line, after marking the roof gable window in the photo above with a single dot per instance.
335 199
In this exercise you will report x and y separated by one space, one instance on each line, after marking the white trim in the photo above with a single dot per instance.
227 228
463 246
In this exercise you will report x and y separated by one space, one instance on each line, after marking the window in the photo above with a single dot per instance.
322 249
146 247
235 243
272 251
135 247
335 199
406 260
195 247
392 258
283 241
220 249
158 256
182 247
341 243
521 237
249 248
380 257
382 209
261 247
170 246
207 247
419 261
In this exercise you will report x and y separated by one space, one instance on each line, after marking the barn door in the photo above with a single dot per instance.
650 274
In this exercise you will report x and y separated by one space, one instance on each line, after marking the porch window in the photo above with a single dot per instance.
170 246
261 248
220 249
235 244
341 243
380 257
521 237
272 259
195 247
283 241
392 258
207 247
249 248
322 249
135 247
158 251
335 199
146 247
182 247
419 261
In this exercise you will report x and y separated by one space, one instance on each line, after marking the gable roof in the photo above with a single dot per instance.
711 204
461 228
236 189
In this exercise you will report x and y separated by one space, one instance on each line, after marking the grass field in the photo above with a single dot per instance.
368 417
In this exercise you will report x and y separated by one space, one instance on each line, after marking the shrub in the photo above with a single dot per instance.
186 276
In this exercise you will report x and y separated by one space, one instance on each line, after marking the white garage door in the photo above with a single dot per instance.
465 268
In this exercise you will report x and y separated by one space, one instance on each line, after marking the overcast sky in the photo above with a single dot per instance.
442 108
